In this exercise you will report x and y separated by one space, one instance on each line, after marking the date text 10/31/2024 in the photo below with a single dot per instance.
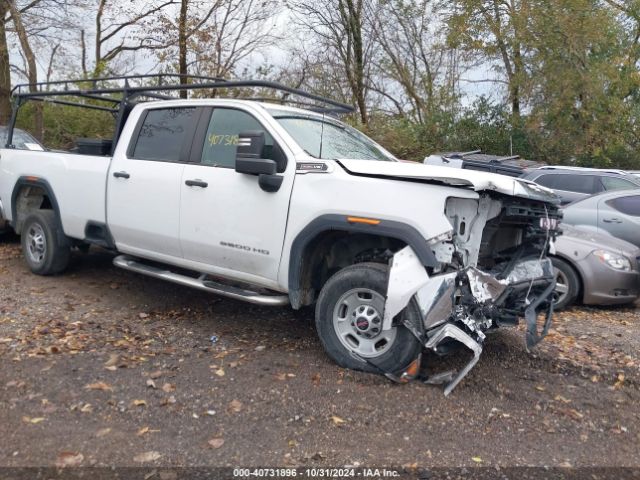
370 473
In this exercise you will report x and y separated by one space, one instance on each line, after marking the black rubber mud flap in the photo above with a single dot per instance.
531 316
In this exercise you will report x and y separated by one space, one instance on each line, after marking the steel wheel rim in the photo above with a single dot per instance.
562 285
36 243
357 321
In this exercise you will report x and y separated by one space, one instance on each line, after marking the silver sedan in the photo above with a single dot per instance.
594 268
616 213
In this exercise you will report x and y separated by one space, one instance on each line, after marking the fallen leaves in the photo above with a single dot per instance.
69 459
33 420
571 413
168 388
477 459
147 457
144 430
151 383
216 442
112 363
99 386
560 398
235 406
168 401
103 432
139 403
337 420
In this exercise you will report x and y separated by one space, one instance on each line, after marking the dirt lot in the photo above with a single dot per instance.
105 367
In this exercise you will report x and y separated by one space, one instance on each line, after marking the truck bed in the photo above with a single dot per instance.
79 183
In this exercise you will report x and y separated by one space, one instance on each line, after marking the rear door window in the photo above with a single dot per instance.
628 205
569 183
615 183
163 133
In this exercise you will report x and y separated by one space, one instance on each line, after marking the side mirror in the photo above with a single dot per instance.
255 166
249 161
249 155
250 144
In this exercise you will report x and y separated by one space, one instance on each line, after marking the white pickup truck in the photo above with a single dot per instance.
278 205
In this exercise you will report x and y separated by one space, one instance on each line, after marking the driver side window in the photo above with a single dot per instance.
221 140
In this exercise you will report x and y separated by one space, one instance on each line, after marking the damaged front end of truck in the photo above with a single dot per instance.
492 271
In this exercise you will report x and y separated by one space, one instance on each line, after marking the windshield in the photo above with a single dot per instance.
330 140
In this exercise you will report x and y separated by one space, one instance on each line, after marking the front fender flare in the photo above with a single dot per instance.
334 222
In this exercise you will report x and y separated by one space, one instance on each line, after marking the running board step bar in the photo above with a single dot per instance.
201 283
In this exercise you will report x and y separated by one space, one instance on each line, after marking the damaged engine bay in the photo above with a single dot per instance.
492 270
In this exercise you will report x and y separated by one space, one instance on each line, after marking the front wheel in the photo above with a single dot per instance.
567 284
41 245
349 317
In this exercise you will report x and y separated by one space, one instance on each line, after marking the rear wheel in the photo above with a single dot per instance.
349 316
44 252
567 284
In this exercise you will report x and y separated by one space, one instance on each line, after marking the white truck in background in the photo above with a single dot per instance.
279 205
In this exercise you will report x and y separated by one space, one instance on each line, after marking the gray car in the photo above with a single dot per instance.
21 140
594 268
574 183
616 213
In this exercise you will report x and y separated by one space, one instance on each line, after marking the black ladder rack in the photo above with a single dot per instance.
117 93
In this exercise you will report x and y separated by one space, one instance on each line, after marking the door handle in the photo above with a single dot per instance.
121 174
196 183
611 220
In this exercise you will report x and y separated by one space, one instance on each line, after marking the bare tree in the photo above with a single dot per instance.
214 38
122 27
236 30
340 31
32 67
5 69
497 30
416 71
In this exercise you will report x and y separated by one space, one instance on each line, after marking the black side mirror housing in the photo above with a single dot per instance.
255 166
249 161
250 144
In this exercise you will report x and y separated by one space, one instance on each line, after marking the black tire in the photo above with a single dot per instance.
566 276
395 356
49 255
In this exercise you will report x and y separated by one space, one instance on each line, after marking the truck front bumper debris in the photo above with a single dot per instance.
462 306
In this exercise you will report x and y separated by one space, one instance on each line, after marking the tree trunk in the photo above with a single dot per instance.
99 65
5 74
182 44
83 46
351 13
32 68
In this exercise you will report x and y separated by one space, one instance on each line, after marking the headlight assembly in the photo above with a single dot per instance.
613 260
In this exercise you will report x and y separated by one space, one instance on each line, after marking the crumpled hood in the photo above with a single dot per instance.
478 181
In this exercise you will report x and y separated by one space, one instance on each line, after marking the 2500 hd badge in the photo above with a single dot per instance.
246 248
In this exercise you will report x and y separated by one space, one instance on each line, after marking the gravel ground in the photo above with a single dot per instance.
102 367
